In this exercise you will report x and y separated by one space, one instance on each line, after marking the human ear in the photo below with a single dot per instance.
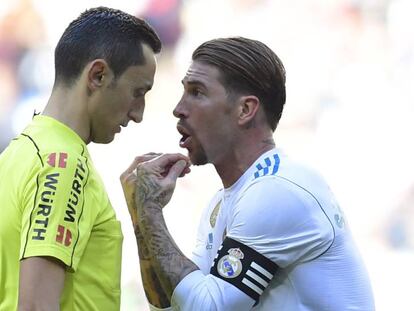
248 108
97 74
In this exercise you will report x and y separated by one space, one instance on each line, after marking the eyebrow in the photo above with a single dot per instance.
193 82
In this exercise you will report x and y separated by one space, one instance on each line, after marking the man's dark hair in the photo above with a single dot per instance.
104 33
248 67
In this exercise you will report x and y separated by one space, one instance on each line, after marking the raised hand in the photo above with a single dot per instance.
156 179
128 181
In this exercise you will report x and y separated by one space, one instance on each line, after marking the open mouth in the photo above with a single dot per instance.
185 139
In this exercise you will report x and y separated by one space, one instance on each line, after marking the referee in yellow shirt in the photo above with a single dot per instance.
60 241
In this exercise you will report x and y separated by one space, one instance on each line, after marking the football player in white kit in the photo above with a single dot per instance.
274 238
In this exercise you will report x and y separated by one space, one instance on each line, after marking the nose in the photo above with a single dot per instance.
137 112
180 111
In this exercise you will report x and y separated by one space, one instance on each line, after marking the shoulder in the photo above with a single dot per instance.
33 156
49 136
281 221
281 194
276 205
278 178
281 213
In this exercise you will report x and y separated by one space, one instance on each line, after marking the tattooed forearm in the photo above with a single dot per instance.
152 286
168 261
142 247
154 181
149 191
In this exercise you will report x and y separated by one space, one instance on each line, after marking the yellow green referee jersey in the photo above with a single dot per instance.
53 203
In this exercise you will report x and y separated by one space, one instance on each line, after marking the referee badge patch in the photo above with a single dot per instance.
243 267
230 265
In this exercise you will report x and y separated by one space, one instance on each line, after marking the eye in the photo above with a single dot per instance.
196 92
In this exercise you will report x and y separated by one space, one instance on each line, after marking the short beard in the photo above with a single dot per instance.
199 158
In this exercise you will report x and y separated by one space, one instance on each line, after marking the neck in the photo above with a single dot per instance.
235 164
69 107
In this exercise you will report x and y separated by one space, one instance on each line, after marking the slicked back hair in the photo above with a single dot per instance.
248 67
105 33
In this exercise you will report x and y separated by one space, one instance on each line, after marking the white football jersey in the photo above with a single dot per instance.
286 246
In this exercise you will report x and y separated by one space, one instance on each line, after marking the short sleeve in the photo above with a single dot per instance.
55 220
281 221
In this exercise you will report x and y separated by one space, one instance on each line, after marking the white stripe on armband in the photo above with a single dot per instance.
262 270
257 278
252 286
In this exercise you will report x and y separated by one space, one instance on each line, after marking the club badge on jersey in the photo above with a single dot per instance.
230 266
243 267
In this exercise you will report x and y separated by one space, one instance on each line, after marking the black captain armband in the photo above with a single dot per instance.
243 267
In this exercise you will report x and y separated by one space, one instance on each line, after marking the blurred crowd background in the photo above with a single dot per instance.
349 111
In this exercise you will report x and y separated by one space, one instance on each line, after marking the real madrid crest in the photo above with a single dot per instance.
230 266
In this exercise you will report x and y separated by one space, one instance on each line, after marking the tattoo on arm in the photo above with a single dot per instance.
170 264
152 286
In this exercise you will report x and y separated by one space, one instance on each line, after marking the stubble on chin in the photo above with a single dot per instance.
198 158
